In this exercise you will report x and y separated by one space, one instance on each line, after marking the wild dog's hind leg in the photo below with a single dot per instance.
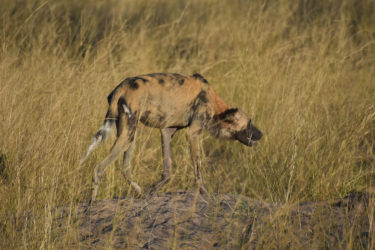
126 168
126 127
166 141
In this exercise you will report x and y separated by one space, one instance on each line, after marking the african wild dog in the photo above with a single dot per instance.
169 102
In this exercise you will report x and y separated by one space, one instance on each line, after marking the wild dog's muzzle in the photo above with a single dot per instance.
250 135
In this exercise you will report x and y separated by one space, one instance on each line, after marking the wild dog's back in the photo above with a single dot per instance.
164 99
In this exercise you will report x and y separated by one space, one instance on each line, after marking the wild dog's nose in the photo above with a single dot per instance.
249 135
256 134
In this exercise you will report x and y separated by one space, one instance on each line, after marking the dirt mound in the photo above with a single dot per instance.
188 220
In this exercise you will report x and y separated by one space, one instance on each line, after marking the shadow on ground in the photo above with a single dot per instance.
188 220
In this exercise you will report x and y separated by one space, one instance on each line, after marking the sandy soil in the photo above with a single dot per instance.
186 220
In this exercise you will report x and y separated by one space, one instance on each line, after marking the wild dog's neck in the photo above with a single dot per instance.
219 105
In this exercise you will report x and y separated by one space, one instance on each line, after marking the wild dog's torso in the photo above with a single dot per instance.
164 100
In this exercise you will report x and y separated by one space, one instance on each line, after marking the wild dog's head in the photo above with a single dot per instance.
236 125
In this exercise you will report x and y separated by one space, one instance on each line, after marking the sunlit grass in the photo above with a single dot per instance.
304 72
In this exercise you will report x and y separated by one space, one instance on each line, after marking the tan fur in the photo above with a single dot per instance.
169 102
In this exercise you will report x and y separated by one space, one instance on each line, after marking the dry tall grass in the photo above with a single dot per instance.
304 70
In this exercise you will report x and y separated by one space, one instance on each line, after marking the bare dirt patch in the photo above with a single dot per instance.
188 220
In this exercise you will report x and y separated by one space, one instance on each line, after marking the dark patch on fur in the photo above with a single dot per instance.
191 118
204 119
118 131
198 101
145 116
202 96
227 114
161 81
178 78
144 80
199 114
110 96
132 83
200 77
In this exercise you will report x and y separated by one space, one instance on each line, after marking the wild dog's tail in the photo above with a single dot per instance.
99 137
107 127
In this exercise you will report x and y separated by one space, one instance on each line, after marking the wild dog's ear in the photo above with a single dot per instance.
228 115
225 124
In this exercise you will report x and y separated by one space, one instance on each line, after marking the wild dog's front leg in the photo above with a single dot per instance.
166 141
193 138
